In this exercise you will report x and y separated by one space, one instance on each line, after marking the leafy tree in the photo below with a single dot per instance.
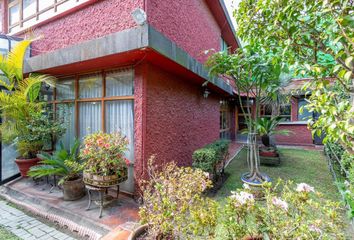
18 94
317 36
253 70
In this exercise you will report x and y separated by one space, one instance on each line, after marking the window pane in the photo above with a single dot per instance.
285 110
89 118
66 113
120 117
120 83
29 8
4 43
14 14
46 92
305 115
90 86
65 89
8 155
45 4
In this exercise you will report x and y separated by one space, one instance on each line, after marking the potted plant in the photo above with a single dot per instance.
266 127
105 164
19 104
67 166
37 133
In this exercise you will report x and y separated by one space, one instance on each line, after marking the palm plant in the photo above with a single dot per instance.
62 163
18 94
266 127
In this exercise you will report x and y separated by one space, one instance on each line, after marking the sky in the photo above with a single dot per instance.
230 5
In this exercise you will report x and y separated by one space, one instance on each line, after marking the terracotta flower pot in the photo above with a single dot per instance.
139 232
73 189
25 164
268 154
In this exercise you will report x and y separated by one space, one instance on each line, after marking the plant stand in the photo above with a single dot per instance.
102 197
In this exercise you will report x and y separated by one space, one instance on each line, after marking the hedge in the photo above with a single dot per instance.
207 157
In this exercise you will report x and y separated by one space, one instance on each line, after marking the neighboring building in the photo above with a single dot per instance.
114 74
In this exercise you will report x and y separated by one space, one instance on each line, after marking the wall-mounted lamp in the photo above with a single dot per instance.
139 16
206 93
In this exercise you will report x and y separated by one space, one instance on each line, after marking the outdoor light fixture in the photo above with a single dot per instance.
139 16
206 93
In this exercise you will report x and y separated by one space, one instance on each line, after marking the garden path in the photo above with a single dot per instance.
26 227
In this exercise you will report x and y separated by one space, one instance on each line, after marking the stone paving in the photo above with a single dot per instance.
27 227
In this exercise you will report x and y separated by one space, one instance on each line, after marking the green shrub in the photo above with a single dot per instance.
207 157
174 206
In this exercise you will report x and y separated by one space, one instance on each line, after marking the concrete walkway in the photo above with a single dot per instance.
26 227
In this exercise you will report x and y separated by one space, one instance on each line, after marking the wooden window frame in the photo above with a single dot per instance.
224 109
35 15
77 100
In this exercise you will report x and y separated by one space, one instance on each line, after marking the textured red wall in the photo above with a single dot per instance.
294 108
301 135
95 20
189 23
178 119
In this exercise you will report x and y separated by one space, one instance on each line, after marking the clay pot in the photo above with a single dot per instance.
139 232
25 164
73 189
268 154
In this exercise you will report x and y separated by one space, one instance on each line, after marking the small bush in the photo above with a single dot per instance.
173 205
205 159
209 156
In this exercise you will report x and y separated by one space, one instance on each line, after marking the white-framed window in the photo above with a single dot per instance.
23 14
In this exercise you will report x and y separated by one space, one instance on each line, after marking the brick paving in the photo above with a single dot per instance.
27 227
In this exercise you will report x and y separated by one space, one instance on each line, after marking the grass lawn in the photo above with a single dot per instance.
299 165
5 234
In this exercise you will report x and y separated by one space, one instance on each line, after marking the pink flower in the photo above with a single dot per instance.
313 228
127 161
242 198
107 145
280 203
303 187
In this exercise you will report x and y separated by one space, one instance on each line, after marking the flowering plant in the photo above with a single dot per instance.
104 153
173 205
290 211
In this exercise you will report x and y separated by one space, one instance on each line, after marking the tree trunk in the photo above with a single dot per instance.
253 159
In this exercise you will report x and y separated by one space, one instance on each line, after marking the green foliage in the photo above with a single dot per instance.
62 163
173 206
289 211
39 129
18 99
253 70
316 38
104 153
207 157
267 126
